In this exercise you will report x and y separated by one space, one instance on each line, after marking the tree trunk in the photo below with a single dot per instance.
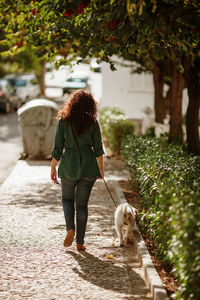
42 78
176 94
167 99
159 100
192 115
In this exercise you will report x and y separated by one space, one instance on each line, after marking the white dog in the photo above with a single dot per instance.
124 223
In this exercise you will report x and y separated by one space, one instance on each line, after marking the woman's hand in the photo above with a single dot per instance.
54 175
100 163
53 170
102 175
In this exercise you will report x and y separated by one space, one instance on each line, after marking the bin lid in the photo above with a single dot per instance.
37 103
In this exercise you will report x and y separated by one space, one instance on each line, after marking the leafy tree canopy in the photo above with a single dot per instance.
140 30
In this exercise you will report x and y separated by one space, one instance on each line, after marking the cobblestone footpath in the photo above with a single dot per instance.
33 262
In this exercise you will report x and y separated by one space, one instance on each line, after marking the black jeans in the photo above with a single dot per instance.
75 197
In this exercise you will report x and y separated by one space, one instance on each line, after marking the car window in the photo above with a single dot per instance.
20 82
75 80
12 81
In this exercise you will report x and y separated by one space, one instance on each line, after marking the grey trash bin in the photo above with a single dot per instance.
37 120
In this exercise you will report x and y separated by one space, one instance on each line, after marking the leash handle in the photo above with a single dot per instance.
109 192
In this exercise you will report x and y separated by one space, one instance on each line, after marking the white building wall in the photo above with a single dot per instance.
130 92
133 93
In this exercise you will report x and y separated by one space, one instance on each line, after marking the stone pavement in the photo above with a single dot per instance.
33 262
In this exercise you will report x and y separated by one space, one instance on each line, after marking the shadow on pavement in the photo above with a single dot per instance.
43 195
107 274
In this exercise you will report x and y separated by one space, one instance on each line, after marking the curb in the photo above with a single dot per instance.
152 278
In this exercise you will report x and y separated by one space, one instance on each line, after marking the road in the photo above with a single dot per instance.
10 144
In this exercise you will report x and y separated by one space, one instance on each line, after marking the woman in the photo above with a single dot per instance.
78 134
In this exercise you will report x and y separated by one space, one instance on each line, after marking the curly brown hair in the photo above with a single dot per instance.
80 111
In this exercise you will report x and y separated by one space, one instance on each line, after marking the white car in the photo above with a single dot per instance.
8 98
26 86
78 80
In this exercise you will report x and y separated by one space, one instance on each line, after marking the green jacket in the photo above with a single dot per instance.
78 160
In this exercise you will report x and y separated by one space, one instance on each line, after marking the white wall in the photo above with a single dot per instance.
131 92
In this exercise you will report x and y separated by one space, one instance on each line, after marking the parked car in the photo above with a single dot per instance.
8 97
26 86
76 82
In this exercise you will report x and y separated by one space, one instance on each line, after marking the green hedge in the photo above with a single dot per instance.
114 127
169 180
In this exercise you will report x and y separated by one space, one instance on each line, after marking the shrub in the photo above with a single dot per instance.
115 126
169 179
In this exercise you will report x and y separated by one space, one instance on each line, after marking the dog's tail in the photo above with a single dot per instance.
129 209
129 214
132 209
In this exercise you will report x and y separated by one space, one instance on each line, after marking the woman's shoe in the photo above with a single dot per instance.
80 247
69 238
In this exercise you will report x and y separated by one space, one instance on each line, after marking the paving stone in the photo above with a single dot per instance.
33 262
